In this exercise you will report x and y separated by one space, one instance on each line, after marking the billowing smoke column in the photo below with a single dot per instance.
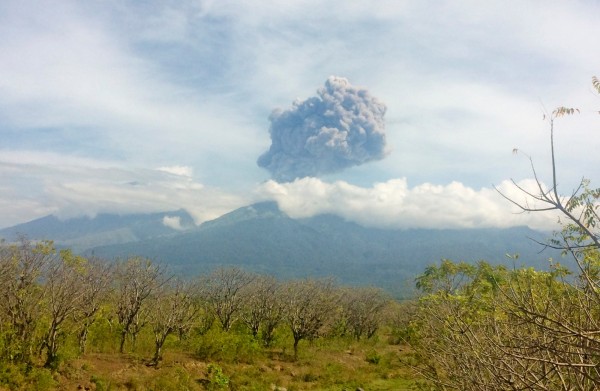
341 127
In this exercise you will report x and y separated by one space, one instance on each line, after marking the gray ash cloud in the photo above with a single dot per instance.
342 126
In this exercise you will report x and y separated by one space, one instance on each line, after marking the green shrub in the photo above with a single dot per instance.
101 384
217 380
373 357
12 376
218 345
40 379
176 379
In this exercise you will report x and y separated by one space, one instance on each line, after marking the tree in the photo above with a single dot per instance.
487 328
172 308
136 279
262 308
97 277
502 329
22 266
580 210
307 306
64 294
222 290
362 310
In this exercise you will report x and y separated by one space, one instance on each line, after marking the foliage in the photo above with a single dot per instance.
485 327
506 329
217 380
218 345
172 308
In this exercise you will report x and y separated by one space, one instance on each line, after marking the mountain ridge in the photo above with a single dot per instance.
262 238
82 233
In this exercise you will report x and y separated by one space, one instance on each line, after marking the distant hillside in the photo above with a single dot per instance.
262 238
84 233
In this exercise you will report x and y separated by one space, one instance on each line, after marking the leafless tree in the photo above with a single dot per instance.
262 308
64 295
222 290
363 310
307 307
136 280
97 278
579 210
172 308
23 266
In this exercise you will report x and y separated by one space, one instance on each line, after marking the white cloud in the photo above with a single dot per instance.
173 222
178 170
71 187
95 95
393 204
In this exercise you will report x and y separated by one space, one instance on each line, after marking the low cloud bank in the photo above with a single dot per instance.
67 187
393 204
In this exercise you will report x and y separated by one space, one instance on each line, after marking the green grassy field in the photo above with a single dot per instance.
235 361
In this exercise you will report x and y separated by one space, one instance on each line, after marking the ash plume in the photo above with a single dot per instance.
341 127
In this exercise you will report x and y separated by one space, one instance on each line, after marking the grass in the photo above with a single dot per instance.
230 361
221 360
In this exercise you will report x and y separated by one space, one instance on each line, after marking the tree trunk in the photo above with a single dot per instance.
157 354
83 334
122 345
296 340
52 348
159 341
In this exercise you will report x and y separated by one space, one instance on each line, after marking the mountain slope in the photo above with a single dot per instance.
262 238
83 233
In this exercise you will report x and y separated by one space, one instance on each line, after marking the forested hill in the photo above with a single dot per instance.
262 238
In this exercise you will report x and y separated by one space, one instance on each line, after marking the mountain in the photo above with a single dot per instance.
84 233
262 238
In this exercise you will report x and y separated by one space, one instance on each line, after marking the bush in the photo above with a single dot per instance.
40 379
12 376
218 345
373 357
217 380
101 384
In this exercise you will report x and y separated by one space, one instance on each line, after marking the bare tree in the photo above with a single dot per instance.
172 308
136 279
23 266
579 209
97 278
222 290
262 308
307 306
363 310
569 321
64 295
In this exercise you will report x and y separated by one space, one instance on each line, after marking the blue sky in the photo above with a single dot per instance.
127 106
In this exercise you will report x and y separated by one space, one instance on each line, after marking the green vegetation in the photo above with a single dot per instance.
67 322
484 327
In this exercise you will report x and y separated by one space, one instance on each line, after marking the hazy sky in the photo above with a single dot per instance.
137 106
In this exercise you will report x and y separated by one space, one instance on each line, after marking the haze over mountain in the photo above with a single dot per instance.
83 233
262 238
